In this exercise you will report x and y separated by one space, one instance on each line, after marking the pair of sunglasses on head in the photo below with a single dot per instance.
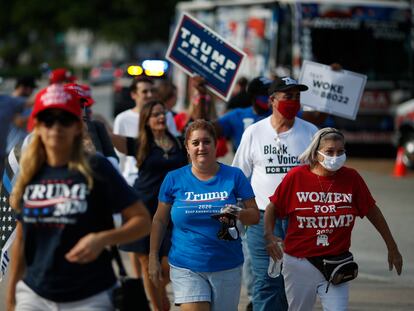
49 118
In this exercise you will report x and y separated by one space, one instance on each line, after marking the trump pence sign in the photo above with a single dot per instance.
198 50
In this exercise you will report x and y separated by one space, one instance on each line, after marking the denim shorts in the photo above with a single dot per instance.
221 288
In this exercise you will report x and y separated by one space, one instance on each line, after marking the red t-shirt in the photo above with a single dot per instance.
321 210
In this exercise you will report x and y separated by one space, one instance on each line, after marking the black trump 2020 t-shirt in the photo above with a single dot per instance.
58 210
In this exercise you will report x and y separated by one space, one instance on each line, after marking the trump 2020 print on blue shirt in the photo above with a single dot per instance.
195 244
197 49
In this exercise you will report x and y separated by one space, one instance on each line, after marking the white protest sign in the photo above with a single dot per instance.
335 92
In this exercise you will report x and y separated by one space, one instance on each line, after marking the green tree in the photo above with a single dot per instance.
34 29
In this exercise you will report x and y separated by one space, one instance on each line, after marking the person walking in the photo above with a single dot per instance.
126 123
321 200
267 151
201 107
232 124
12 109
96 138
17 132
206 254
157 152
64 202
240 97
167 93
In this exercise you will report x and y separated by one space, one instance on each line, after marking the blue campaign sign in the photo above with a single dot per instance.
196 49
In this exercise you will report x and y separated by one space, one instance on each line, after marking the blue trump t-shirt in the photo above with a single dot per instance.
195 244
236 121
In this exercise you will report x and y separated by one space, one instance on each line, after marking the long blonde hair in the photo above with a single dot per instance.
34 157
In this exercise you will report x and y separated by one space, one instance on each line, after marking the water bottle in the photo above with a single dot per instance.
239 225
233 232
274 268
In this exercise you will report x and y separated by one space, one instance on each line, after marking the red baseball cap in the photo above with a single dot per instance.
60 75
83 91
55 97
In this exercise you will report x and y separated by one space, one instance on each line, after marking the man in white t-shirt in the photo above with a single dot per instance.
267 151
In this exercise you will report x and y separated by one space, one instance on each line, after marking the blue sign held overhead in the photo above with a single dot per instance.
196 49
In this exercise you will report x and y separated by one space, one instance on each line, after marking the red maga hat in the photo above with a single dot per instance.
60 75
55 97
83 91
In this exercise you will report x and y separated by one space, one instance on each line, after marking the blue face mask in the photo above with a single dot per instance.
332 164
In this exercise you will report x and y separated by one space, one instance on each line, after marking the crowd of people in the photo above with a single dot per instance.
186 218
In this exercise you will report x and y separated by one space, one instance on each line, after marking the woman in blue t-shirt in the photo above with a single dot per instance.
157 152
206 253
64 203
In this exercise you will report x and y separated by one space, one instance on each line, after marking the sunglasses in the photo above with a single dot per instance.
158 114
65 119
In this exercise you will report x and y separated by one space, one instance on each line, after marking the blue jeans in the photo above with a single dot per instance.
247 276
268 293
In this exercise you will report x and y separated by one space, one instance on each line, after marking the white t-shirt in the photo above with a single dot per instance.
126 124
266 157
171 124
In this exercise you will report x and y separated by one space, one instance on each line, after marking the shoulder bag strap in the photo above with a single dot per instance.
117 257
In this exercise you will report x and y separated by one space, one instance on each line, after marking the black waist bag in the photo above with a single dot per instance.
336 269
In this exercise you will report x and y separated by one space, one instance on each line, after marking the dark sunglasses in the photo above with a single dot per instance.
63 118
158 114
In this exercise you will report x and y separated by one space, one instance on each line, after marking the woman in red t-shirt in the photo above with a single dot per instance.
321 200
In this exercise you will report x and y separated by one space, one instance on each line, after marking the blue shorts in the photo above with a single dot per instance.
221 288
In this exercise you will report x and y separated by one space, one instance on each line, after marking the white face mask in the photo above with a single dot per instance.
332 163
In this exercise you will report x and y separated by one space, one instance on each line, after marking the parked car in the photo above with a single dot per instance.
103 74
404 126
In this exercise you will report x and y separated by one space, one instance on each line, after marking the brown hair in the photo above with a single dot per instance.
133 86
145 136
200 124
166 90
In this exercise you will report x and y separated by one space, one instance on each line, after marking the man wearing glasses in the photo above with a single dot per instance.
267 151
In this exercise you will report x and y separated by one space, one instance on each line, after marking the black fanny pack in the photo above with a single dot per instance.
336 269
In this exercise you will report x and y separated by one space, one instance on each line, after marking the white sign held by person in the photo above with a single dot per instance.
335 92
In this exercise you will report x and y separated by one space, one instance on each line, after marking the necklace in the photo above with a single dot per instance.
165 144
327 191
